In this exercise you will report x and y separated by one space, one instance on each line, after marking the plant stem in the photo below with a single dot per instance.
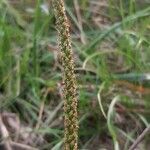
70 85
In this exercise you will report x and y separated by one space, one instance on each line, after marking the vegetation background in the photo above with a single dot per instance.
111 43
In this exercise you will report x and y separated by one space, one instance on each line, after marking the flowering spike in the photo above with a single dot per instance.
70 85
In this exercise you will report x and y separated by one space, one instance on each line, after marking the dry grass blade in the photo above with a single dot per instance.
78 13
140 138
5 134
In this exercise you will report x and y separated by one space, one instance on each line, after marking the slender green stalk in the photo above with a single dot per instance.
70 86
36 29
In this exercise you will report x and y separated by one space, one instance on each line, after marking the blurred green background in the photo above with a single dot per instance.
111 45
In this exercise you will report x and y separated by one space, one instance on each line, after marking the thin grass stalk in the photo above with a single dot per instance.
70 85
